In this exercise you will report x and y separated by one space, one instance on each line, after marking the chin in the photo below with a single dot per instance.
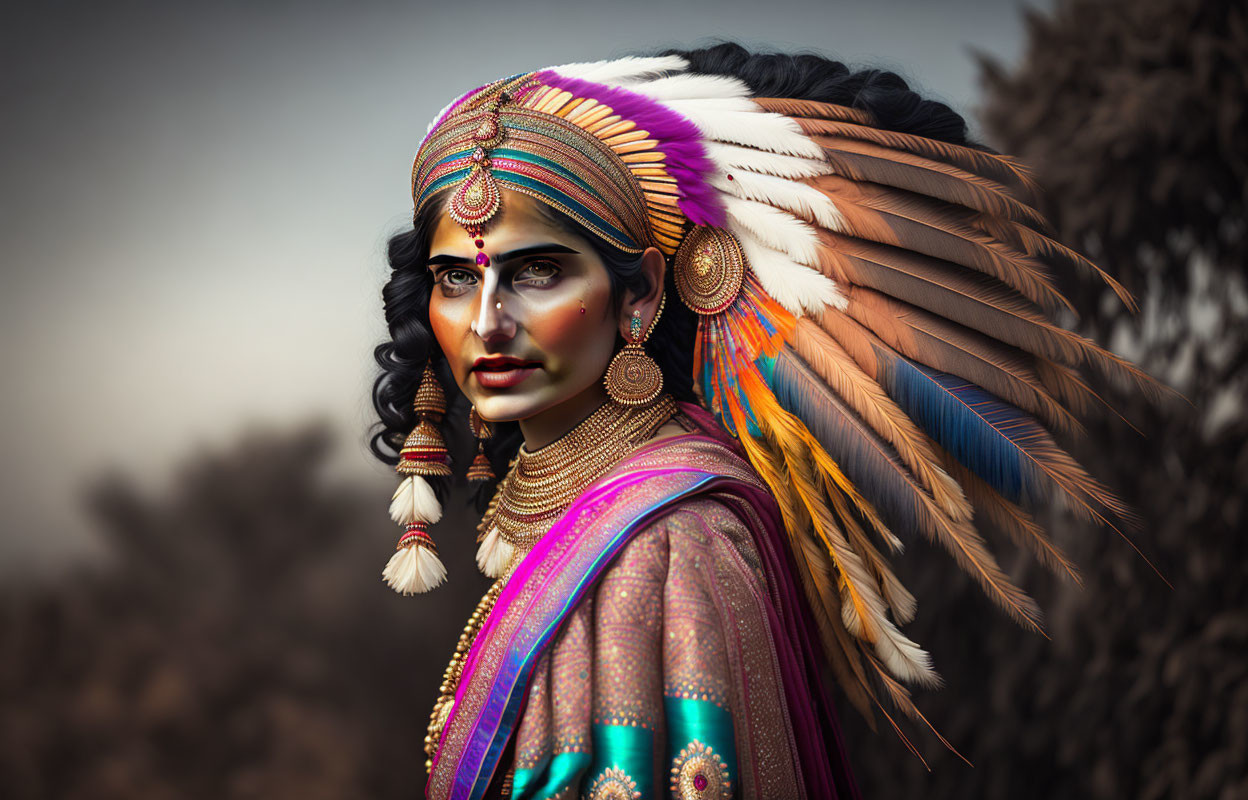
510 406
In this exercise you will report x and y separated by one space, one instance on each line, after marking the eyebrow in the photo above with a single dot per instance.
510 255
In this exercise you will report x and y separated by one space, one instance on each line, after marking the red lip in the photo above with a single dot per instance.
500 363
502 372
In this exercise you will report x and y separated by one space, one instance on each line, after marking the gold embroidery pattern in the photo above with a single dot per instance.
614 784
698 773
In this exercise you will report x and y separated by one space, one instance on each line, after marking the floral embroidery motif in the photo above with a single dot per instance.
614 784
698 773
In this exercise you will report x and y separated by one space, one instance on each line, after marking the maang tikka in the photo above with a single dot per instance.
633 378
415 566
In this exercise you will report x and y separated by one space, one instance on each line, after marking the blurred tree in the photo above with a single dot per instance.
1135 115
238 645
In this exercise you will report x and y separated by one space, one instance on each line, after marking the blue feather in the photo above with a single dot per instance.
985 434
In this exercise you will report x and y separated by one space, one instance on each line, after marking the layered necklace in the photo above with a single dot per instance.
542 484
538 488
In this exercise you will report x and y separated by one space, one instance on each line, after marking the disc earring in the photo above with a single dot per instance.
633 377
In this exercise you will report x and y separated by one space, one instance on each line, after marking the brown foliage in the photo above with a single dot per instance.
240 644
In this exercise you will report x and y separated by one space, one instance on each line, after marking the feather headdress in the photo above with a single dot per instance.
875 321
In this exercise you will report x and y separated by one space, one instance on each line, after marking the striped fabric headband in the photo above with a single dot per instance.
497 138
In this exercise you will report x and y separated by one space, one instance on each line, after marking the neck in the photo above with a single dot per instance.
545 427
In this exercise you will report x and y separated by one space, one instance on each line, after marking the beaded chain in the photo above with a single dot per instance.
541 485
455 669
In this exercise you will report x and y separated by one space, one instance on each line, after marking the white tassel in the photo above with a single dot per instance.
494 554
414 501
414 569
798 288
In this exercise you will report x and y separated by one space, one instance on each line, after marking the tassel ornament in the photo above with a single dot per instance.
480 471
415 566
494 554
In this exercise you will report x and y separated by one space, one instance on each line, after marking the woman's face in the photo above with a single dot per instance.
532 331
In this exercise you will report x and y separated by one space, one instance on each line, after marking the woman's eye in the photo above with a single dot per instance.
538 273
456 281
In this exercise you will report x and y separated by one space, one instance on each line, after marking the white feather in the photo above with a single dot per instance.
904 658
413 570
715 105
414 501
494 554
748 126
731 157
798 288
800 198
692 87
775 228
629 69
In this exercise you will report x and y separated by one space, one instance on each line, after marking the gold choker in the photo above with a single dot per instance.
541 485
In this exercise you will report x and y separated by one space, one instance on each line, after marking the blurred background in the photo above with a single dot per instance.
195 201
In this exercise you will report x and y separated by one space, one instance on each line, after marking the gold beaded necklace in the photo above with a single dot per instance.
538 488
541 484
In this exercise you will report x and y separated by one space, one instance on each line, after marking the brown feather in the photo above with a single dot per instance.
901 698
938 230
793 107
899 599
1051 461
949 347
1036 244
1013 521
969 298
874 406
958 537
816 576
865 161
1002 169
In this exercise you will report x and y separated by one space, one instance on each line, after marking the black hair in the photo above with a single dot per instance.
885 95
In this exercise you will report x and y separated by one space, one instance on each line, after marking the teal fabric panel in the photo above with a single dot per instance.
701 720
628 748
551 777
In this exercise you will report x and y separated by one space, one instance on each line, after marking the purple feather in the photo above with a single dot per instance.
678 138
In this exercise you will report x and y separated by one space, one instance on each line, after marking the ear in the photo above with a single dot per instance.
654 268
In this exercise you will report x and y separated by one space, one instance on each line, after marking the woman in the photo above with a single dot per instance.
858 297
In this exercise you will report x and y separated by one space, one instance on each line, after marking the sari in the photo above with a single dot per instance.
653 643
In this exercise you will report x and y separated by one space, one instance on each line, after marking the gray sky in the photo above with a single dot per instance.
195 199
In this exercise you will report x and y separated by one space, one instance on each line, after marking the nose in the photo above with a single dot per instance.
493 321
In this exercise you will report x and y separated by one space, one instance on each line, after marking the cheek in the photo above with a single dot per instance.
574 339
450 322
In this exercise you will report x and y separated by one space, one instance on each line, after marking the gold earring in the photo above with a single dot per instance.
480 470
633 378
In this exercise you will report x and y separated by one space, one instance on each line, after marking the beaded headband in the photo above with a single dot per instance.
599 154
